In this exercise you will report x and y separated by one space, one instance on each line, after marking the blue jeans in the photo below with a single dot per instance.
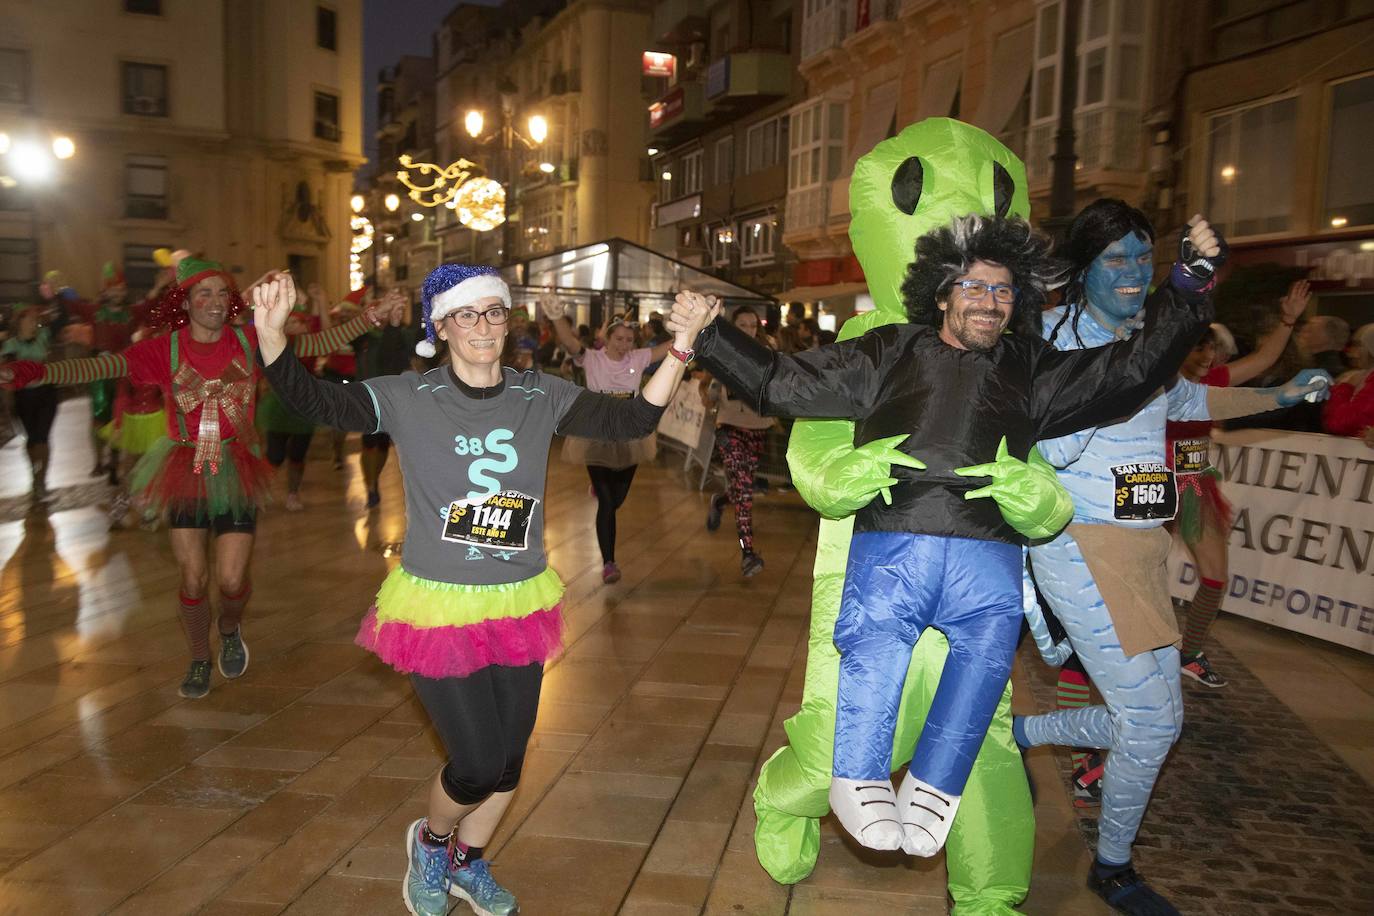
896 585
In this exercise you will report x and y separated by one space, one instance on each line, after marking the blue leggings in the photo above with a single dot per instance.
1143 715
896 585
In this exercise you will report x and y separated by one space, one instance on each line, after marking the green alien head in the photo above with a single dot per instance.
931 172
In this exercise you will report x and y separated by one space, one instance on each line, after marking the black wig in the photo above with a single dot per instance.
946 254
1100 223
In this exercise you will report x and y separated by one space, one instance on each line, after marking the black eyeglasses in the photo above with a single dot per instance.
468 318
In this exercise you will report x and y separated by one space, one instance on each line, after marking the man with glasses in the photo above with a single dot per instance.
969 387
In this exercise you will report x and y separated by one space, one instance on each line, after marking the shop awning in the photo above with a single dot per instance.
621 269
817 293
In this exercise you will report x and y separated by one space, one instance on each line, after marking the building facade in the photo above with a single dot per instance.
404 245
718 134
229 128
576 66
1272 137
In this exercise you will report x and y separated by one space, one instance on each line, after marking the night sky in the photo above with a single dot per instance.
391 29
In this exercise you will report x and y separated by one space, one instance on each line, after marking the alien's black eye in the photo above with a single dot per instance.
906 185
1003 189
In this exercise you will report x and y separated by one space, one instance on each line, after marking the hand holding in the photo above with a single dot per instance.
272 303
1312 385
1202 250
393 307
691 312
1130 326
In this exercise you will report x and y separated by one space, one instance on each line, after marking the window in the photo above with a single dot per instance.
815 158
326 28
145 89
725 161
17 273
145 187
1251 167
1349 184
1111 37
765 144
327 116
722 241
14 76
140 268
143 7
757 241
691 173
1045 92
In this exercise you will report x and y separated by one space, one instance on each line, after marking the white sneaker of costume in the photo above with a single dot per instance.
926 814
868 810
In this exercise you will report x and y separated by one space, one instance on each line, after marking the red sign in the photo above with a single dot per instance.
666 108
659 63
1340 264
827 271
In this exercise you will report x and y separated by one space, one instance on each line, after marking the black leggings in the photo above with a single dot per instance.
281 446
611 487
485 721
36 406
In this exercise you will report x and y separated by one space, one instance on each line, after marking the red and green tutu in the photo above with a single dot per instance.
442 629
1201 504
166 478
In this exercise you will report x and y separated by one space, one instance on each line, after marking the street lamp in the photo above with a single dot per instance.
26 160
392 203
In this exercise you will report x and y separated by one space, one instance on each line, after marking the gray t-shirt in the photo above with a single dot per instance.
474 471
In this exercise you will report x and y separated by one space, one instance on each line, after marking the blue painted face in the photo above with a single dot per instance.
1119 278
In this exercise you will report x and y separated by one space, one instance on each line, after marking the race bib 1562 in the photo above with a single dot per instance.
1144 491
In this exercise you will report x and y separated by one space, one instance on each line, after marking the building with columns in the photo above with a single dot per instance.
230 127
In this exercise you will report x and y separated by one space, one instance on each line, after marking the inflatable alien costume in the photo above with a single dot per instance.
962 170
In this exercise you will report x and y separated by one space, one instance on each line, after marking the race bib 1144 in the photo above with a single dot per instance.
502 521
1144 491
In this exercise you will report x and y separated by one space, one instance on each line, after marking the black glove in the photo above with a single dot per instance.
1198 265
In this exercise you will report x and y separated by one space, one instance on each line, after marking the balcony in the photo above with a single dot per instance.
807 210
677 115
679 22
738 81
825 30
1107 139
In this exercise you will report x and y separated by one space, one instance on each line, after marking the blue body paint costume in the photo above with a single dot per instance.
1143 715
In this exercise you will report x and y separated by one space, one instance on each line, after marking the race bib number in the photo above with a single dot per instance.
501 521
1144 491
1190 455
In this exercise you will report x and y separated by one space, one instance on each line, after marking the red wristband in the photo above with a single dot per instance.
684 355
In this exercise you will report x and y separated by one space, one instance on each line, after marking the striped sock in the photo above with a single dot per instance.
1072 693
195 623
1202 610
231 608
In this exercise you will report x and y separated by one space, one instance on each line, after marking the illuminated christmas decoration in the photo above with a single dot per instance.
481 204
444 181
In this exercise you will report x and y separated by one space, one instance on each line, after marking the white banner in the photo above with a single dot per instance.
1302 543
685 416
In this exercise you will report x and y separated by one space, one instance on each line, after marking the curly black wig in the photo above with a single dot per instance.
946 254
1098 225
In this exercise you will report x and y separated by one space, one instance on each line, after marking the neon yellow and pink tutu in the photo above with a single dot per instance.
442 629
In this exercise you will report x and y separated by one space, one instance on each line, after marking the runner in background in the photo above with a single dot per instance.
616 369
740 437
1203 522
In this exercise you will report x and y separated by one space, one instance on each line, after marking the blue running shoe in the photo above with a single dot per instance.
426 882
474 884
